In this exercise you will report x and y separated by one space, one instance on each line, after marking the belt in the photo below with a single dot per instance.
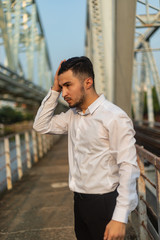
86 195
92 195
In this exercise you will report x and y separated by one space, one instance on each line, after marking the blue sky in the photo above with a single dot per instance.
64 26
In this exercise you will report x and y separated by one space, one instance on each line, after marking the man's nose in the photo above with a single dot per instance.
64 92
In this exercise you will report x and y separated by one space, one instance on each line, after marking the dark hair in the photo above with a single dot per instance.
80 66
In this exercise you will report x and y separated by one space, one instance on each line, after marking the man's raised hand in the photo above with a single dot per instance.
56 86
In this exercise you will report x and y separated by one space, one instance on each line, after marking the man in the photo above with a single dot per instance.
102 155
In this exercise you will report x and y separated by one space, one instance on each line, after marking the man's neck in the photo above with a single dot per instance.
90 98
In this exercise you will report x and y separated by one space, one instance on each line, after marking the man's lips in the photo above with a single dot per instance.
67 99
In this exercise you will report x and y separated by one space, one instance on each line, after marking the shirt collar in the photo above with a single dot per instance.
93 106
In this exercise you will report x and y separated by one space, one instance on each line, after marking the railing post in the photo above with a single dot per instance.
19 160
158 197
8 165
48 144
40 145
50 141
28 154
141 205
34 146
44 144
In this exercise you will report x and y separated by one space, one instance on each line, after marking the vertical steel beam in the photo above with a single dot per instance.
108 27
95 22
88 41
9 22
147 11
26 35
17 25
154 69
136 90
142 87
124 43
32 44
149 96
6 41
41 61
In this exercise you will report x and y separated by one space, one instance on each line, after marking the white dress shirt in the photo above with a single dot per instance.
101 148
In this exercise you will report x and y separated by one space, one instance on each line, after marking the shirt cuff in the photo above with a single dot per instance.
120 215
51 96
55 92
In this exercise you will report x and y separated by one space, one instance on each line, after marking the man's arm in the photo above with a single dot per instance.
122 148
45 120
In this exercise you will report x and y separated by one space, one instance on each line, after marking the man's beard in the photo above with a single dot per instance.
80 102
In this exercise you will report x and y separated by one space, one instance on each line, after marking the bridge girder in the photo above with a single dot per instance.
24 48
145 61
109 43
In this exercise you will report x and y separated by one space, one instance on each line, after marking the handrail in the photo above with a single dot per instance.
19 152
145 122
148 211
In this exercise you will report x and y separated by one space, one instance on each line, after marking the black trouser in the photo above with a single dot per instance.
92 214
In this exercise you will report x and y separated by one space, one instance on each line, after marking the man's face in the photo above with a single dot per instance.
73 90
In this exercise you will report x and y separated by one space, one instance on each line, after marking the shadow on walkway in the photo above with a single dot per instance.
35 209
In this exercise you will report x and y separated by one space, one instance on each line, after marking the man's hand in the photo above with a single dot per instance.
56 86
115 231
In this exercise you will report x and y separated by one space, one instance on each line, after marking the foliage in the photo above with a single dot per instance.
10 115
155 101
156 105
28 116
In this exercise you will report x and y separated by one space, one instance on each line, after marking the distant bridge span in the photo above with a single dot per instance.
25 67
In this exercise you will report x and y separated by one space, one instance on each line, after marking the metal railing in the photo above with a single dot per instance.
148 210
18 152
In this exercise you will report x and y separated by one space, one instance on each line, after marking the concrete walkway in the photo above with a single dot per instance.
35 209
39 207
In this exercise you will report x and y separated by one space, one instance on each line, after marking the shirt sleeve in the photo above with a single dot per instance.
122 149
45 120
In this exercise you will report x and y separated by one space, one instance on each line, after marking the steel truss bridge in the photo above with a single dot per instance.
25 67
119 40
122 40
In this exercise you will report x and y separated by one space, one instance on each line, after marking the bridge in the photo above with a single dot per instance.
25 67
121 42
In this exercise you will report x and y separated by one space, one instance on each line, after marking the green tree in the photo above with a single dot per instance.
9 115
156 105
155 101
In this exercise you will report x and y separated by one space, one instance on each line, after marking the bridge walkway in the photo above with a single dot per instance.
38 207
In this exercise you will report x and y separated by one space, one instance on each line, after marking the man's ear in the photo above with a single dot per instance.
88 83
